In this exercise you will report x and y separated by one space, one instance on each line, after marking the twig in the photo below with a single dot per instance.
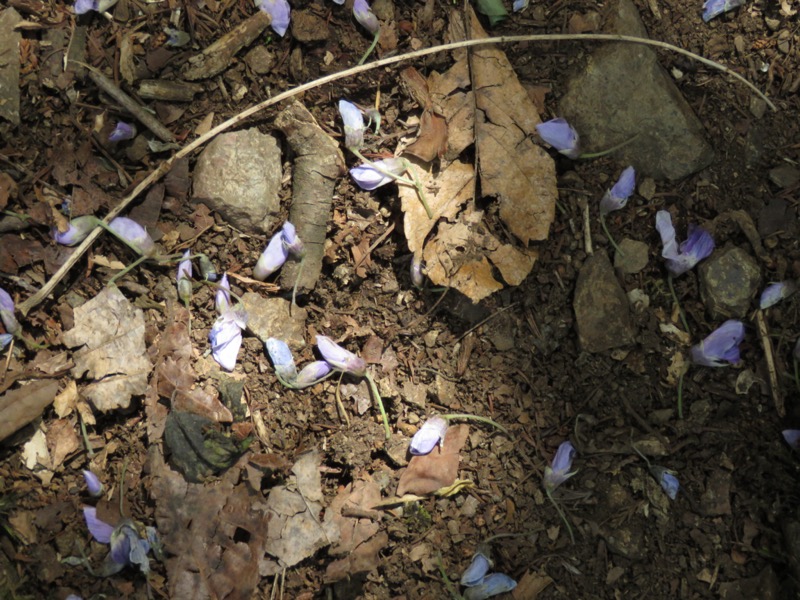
37 298
587 227
772 372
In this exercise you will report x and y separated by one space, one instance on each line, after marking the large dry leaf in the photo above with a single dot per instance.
21 406
111 333
431 472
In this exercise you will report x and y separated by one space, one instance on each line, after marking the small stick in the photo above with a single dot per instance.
587 228
766 344
339 404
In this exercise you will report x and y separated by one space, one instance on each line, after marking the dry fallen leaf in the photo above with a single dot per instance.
21 406
431 472
61 441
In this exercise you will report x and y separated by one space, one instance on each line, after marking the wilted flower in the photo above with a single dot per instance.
312 373
184 278
666 478
226 337
282 360
222 297
721 346
5 340
207 268
617 196
81 7
561 136
339 358
134 235
417 276
272 259
123 131
519 5
367 177
176 37
127 548
558 472
77 231
492 585
93 484
73 597
775 292
292 243
713 8
364 15
7 313
477 569
353 124
698 245
280 13
428 436
792 437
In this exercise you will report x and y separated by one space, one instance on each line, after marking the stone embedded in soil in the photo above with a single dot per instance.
269 317
764 586
623 91
601 307
729 281
716 500
308 27
633 258
239 176
10 40
784 176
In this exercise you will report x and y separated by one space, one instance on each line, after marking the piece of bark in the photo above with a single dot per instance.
171 91
9 65
317 166
21 406
218 56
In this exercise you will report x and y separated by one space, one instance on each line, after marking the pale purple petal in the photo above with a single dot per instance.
364 15
721 346
428 436
713 8
133 234
5 340
776 292
272 259
184 278
222 297
280 13
78 229
492 585
282 359
339 358
558 472
123 131
682 258
312 373
93 484
226 338
520 5
353 124
477 570
792 437
339 2
294 245
367 177
561 136
417 275
81 7
617 196
668 481
7 313
100 530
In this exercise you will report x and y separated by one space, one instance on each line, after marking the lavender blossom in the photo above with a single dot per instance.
272 259
617 196
311 374
222 297
520 5
133 234
713 8
81 7
7 313
5 340
123 131
93 484
282 360
100 530
78 229
417 276
775 292
669 483
792 437
492 585
280 13
558 472
353 124
367 177
292 243
184 278
364 15
226 337
475 573
428 436
339 358
698 245
561 136
721 346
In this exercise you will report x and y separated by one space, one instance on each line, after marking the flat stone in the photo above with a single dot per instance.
729 280
623 91
716 500
784 176
633 257
269 317
308 27
601 307
239 176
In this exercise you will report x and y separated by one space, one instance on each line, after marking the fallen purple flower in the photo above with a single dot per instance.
558 472
77 231
5 340
428 436
226 337
311 374
353 124
617 196
292 243
93 484
666 478
519 5
81 7
133 234
792 437
367 177
207 268
282 360
417 276
280 13
561 136
492 585
222 297
713 8
272 258
776 292
123 131
339 358
475 573
7 313
364 15
184 278
698 245
721 346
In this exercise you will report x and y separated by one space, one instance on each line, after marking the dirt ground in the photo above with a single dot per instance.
514 357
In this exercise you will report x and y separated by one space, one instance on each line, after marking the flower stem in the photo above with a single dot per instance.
469 417
609 150
609 236
130 267
447 583
678 303
561 514
85 436
379 401
296 283
371 47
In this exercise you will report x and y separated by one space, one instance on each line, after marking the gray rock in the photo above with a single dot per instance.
308 27
601 307
784 176
623 91
633 258
728 282
239 176
269 317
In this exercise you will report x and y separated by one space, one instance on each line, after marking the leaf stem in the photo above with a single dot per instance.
469 417
560 514
609 150
609 236
379 401
371 47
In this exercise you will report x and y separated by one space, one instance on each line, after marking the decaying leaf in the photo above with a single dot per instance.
62 440
111 333
439 469
21 406
36 456
198 449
